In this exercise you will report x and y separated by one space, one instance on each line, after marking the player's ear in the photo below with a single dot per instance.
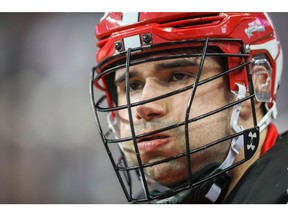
261 75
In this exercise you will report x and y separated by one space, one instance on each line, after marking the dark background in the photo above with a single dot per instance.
50 151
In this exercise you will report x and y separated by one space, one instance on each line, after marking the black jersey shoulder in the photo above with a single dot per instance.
265 181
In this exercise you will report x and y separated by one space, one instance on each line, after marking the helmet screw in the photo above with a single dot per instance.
118 46
147 38
247 48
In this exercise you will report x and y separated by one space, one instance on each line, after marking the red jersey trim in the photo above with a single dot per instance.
270 138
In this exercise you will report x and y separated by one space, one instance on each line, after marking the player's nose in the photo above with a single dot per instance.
154 109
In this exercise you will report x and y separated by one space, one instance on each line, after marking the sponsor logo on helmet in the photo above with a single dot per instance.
255 26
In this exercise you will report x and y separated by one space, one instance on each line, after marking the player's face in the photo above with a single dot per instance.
152 79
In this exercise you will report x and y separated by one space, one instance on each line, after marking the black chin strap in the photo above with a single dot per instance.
209 192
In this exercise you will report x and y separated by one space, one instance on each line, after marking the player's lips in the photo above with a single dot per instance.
153 142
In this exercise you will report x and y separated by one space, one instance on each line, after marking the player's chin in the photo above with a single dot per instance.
167 173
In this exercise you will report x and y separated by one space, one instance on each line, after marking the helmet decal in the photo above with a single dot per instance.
255 26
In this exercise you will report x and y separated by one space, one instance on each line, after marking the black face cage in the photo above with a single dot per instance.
130 184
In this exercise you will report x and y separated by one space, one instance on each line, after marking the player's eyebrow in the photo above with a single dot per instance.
158 67
175 64
122 77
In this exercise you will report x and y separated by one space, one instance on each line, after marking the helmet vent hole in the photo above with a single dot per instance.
207 19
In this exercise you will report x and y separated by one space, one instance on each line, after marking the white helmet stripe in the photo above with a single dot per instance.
130 18
133 41
271 46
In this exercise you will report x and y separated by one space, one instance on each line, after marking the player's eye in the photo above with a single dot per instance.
136 86
179 76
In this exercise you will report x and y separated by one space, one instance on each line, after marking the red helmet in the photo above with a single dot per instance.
244 39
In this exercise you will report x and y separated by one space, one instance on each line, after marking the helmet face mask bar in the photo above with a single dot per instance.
124 169
200 185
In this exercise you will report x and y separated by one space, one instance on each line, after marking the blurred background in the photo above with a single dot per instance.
50 151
